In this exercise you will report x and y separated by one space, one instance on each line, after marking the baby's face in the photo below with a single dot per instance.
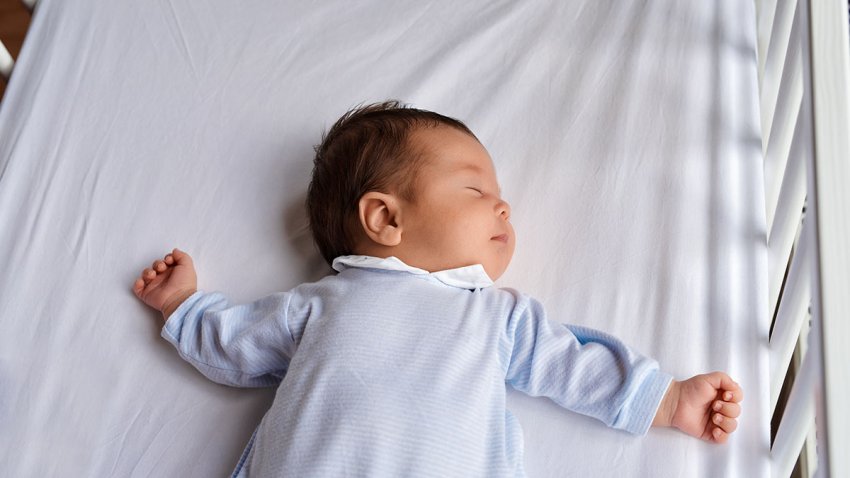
458 217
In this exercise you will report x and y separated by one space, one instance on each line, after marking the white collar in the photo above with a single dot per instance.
467 277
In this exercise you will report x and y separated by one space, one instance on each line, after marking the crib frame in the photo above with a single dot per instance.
6 61
804 77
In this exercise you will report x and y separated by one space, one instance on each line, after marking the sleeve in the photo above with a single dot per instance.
238 345
582 370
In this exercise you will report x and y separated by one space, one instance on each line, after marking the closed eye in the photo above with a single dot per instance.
476 190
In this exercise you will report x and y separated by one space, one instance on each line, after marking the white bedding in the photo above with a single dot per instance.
625 135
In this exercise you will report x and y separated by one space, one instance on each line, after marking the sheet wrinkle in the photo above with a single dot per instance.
453 49
521 67
223 86
392 44
522 52
52 161
79 235
155 441
80 227
185 50
6 157
600 68
124 441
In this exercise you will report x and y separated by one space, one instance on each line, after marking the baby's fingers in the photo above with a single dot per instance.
727 424
729 389
719 436
148 275
733 395
181 257
138 287
729 409
159 266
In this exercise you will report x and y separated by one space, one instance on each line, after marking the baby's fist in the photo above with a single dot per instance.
167 283
707 406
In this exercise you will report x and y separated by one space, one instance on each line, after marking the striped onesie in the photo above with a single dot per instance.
388 370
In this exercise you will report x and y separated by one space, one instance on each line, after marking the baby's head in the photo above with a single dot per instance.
395 181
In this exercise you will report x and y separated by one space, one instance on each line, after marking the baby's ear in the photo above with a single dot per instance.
380 216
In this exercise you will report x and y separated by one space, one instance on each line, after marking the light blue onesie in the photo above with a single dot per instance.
386 370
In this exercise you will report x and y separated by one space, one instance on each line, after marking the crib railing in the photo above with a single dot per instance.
6 61
804 76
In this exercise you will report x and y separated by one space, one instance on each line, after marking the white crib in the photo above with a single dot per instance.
804 79
804 67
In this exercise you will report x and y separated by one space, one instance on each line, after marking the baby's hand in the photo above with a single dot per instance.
167 283
704 406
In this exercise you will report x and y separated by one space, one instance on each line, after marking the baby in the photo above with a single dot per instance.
397 365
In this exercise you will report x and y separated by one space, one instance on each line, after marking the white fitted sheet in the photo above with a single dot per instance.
625 135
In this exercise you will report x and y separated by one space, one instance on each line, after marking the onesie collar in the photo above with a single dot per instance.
467 277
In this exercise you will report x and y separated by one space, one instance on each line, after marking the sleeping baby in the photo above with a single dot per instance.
397 364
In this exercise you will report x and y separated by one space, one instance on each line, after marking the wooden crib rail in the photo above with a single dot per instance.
804 73
6 61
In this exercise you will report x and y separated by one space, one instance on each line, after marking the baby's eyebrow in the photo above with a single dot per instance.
468 167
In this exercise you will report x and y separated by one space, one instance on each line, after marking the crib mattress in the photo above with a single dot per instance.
625 136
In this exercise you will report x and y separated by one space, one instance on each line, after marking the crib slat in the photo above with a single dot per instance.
828 79
792 195
774 61
784 121
6 61
796 420
793 310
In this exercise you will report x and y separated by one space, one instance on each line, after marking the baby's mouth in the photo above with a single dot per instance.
500 238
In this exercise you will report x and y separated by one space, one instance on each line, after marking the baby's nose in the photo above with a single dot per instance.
503 209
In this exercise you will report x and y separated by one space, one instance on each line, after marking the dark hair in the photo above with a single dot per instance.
367 149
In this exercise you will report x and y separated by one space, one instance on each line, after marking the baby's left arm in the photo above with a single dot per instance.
704 406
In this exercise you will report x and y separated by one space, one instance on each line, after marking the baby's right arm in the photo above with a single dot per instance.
167 283
239 345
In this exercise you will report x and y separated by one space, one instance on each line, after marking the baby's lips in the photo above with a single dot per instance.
500 238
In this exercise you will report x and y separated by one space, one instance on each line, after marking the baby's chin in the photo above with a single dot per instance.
495 271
